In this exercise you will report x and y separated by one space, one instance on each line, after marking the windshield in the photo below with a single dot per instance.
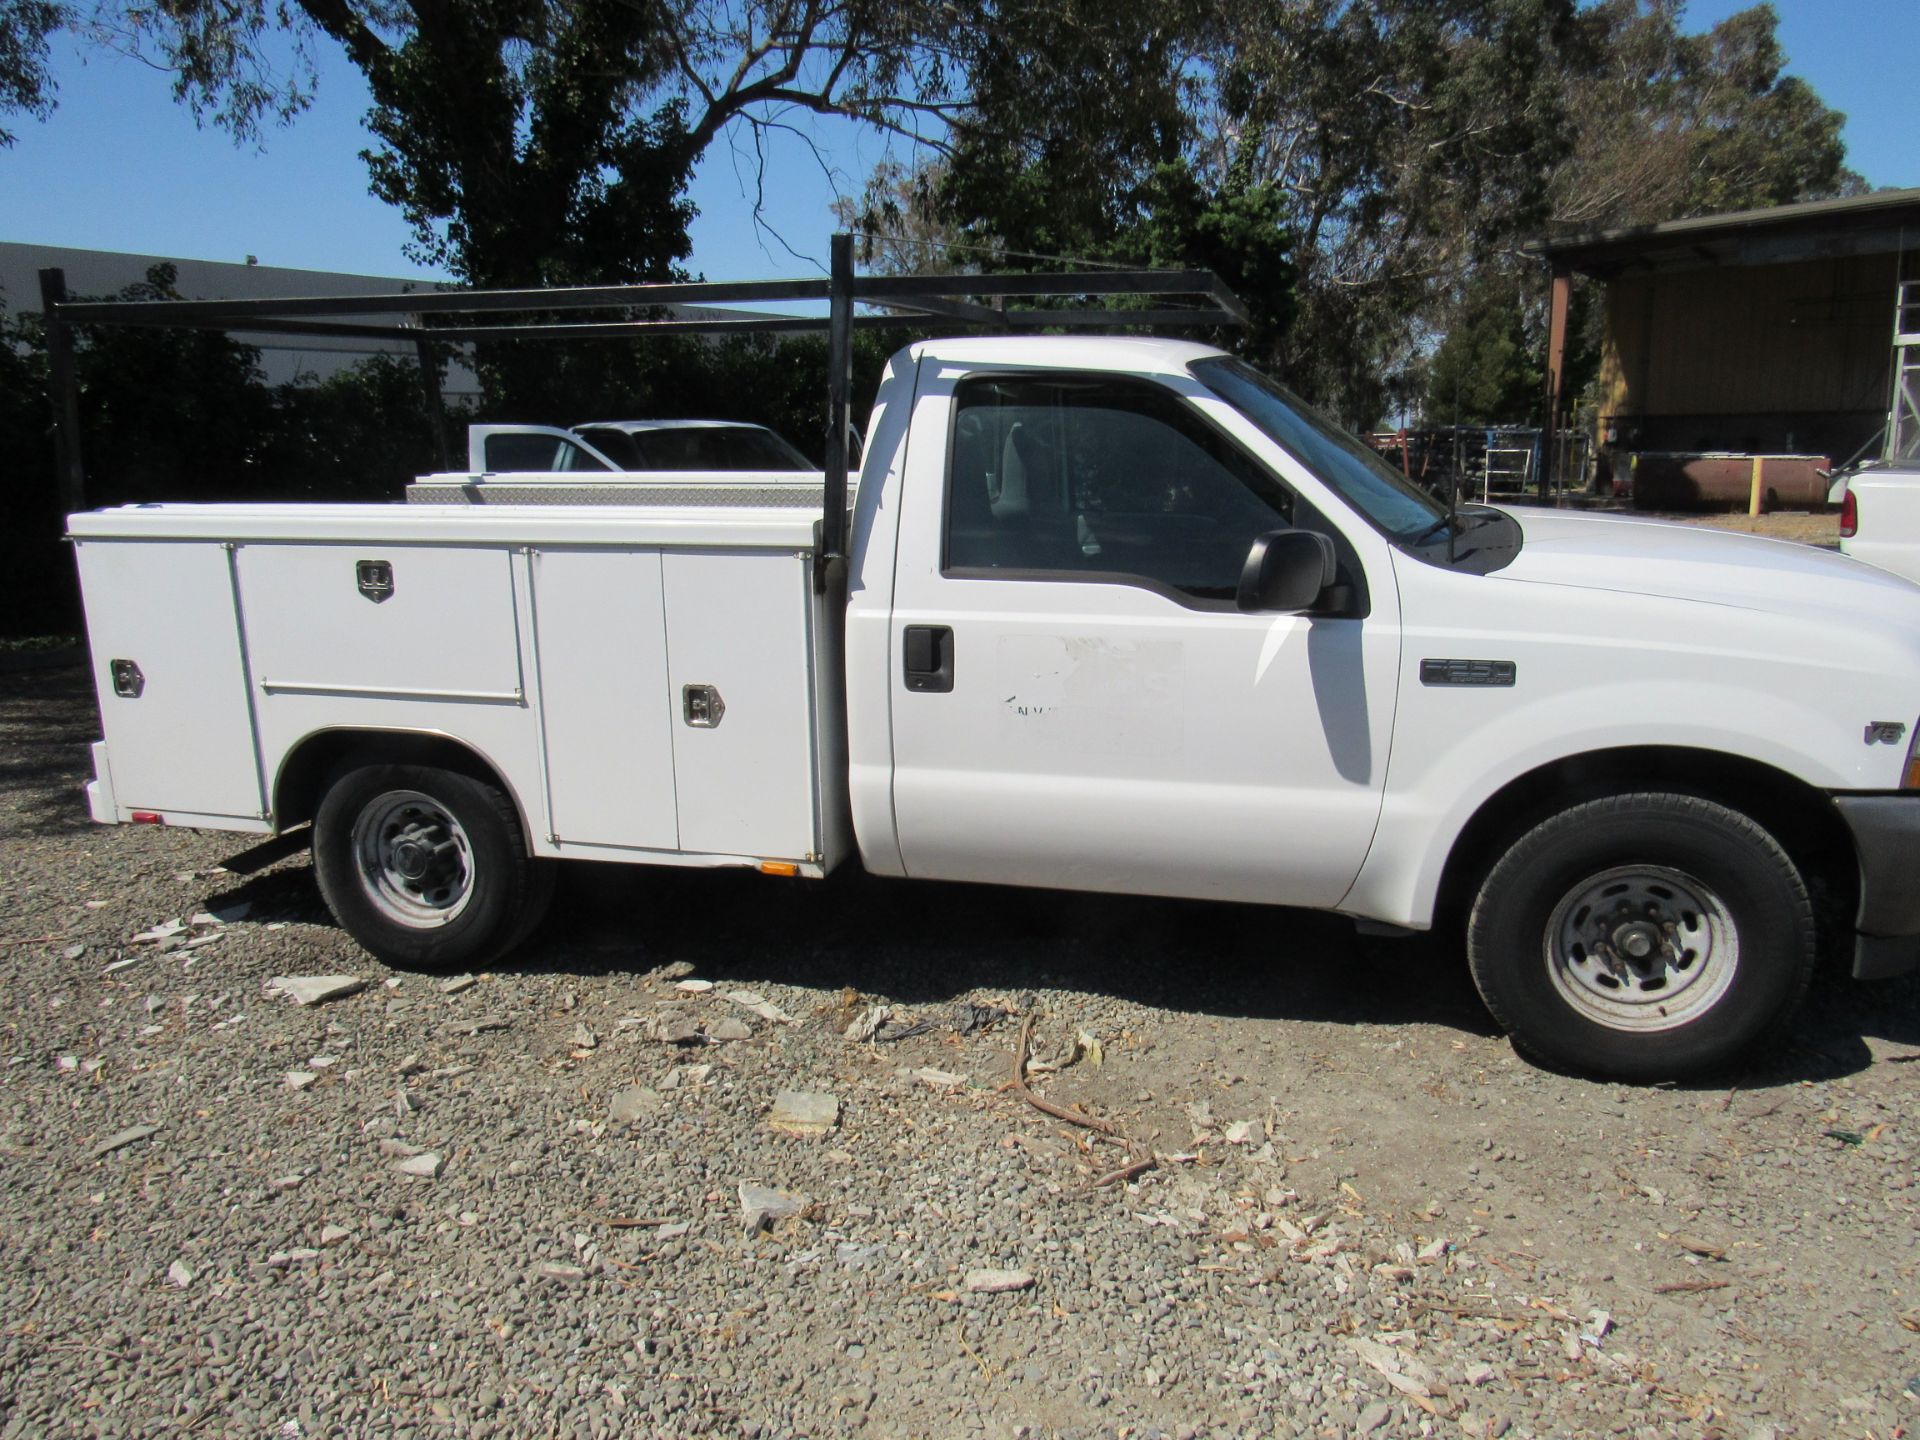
1392 502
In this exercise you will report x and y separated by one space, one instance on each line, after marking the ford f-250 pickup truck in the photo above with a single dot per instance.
1119 614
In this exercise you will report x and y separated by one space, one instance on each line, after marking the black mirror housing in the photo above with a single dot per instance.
1287 571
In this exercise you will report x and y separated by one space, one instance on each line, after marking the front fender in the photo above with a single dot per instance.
1597 672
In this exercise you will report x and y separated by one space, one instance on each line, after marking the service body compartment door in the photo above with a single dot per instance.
184 741
417 622
605 708
740 669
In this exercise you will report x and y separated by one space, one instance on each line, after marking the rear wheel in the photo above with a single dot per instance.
426 867
1644 937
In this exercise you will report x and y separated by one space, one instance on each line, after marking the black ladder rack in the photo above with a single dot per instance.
443 316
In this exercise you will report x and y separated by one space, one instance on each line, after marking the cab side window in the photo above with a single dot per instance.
1101 475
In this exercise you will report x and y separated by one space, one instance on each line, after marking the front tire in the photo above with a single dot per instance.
426 868
1642 937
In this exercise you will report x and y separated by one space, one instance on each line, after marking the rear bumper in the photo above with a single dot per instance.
1886 838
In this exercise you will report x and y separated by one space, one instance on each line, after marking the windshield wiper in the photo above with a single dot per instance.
1456 525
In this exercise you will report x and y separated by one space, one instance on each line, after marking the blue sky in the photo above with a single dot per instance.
120 166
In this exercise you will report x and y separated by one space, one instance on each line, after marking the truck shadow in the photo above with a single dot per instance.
929 944
50 716
926 943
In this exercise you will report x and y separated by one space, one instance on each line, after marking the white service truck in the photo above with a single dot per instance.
1119 614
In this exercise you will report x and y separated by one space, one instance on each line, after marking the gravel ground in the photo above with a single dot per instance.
1368 1217
1810 527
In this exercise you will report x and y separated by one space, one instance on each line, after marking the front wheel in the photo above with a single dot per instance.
1643 937
426 867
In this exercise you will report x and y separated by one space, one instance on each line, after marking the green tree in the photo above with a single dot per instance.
550 142
169 414
26 85
1348 164
1672 125
534 142
1487 371
361 433
1035 176
1411 139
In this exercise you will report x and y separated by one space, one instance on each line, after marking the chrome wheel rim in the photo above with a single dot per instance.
1642 948
414 860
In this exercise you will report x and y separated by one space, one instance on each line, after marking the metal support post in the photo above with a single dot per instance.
1562 292
63 393
432 397
833 521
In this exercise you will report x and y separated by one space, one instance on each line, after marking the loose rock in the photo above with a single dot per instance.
634 1103
479 1026
868 1021
800 1112
677 1030
997 1282
120 1139
765 1009
761 1206
317 989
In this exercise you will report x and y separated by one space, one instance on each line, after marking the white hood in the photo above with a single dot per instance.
1701 563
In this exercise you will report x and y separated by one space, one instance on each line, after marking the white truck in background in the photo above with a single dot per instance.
1120 615
653 447
1880 517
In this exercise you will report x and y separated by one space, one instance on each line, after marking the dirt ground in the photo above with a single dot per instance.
1368 1216
1810 527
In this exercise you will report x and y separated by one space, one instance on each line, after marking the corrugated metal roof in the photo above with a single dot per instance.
1888 220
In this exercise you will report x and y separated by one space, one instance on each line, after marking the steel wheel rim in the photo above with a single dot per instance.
1642 948
414 860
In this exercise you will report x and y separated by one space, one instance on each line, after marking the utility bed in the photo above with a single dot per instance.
657 668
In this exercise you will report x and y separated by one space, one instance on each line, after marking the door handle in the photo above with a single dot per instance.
929 658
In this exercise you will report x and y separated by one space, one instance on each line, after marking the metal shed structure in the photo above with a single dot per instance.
1762 332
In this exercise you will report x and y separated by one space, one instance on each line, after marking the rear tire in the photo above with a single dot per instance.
1642 937
427 868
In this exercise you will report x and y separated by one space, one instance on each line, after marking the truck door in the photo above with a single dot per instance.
1076 700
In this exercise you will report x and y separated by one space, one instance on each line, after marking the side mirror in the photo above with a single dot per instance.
1287 571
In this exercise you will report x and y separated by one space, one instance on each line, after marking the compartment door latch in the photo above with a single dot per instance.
375 579
702 706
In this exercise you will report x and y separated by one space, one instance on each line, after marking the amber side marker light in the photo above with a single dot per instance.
787 867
